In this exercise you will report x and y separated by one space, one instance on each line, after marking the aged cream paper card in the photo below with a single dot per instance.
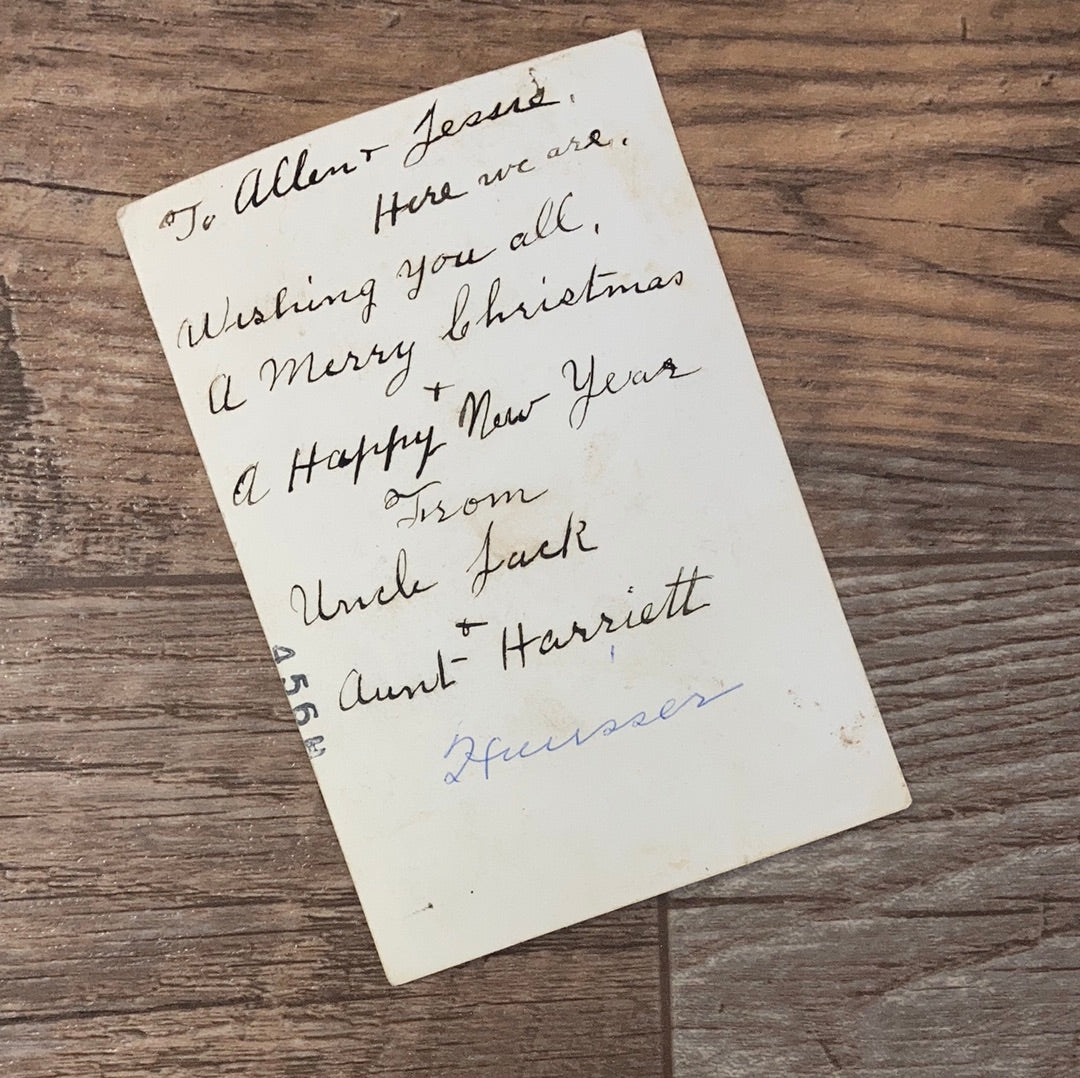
479 413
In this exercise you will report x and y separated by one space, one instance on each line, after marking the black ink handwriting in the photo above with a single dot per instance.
477 410
422 511
351 693
337 459
549 220
515 168
573 539
414 203
596 287
416 270
324 610
220 395
450 127
291 368
191 335
575 145
170 219
289 176
244 489
584 383
675 604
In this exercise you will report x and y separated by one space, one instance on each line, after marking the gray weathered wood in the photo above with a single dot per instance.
945 940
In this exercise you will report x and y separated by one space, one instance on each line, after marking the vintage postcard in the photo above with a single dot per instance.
478 410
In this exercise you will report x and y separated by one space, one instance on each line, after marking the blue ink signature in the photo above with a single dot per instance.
483 758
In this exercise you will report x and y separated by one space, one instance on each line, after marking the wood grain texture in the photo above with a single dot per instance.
946 940
174 900
892 187
894 200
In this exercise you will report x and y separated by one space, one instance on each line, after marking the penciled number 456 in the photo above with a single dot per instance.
306 711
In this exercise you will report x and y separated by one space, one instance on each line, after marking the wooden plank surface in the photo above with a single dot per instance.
892 187
892 309
174 901
944 941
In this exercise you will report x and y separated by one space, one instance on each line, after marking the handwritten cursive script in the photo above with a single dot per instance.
466 755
